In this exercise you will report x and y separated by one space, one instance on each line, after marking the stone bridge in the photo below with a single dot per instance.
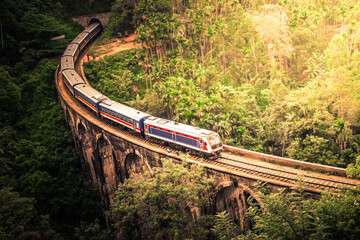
85 20
110 156
108 159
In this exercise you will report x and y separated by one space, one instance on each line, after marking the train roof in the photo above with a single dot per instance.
72 77
67 62
91 27
179 127
71 50
91 93
123 109
79 38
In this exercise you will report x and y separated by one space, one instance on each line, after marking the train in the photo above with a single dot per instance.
189 138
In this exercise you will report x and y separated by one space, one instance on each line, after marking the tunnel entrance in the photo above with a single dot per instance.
95 20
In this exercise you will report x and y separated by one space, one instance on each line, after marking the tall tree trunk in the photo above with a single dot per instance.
223 57
253 50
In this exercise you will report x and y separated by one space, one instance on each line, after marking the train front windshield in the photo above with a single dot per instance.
214 140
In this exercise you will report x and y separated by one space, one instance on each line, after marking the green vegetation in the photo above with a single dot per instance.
294 216
279 78
28 26
119 77
43 194
42 191
158 204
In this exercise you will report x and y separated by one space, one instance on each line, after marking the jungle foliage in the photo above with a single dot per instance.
27 27
280 78
42 191
296 216
160 204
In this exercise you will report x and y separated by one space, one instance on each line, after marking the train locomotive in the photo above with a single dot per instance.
188 137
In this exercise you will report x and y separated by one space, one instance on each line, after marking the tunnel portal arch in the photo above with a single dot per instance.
95 20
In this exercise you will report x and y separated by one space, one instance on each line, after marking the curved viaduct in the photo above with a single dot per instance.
110 155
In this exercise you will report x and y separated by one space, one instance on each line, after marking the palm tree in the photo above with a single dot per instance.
341 135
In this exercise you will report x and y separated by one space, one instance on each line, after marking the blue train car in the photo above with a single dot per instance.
124 115
93 29
82 39
89 96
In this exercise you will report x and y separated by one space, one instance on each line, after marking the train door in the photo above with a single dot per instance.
201 144
134 125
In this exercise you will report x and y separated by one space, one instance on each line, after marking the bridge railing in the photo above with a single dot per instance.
285 161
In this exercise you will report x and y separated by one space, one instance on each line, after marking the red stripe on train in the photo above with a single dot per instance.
127 124
84 101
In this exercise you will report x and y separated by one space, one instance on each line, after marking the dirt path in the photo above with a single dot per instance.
115 45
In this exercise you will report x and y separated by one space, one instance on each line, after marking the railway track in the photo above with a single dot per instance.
273 173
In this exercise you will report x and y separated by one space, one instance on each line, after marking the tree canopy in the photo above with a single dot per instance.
161 204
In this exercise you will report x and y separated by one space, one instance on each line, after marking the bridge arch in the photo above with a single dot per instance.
233 197
81 128
135 162
102 140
